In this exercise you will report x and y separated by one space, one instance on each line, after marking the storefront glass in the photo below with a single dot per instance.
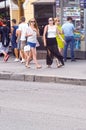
4 9
77 10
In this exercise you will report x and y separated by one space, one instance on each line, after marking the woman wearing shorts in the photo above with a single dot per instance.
32 33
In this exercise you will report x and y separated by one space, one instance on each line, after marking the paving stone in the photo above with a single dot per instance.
4 76
44 79
17 77
29 78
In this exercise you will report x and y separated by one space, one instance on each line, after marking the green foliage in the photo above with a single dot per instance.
1 15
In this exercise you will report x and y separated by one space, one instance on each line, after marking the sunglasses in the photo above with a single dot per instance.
32 21
51 20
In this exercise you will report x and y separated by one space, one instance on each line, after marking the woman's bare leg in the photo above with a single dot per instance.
29 56
35 58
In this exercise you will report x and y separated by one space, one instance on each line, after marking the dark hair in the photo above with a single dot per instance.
14 21
5 22
69 18
22 19
50 18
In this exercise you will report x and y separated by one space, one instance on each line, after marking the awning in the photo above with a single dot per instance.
43 2
2 0
13 6
2 3
9 3
25 3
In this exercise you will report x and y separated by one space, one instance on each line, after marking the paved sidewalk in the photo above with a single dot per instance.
72 72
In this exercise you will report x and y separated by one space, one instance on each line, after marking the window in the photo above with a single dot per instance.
71 0
75 1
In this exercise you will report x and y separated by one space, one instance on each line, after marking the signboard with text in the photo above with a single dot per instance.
83 3
57 3
58 8
74 12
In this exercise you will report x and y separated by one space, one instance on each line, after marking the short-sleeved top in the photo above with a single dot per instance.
68 29
23 28
32 38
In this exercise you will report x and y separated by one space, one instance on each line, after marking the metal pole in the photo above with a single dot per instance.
85 29
61 6
57 8
5 9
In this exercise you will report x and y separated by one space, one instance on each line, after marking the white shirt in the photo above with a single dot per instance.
32 38
52 31
23 28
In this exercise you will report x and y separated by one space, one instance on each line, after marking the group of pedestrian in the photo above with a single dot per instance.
50 43
56 39
25 36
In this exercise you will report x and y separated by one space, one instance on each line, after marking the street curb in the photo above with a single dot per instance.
41 78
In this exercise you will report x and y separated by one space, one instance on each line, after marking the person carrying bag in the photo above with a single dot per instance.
51 44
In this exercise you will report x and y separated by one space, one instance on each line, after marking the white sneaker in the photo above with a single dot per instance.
23 60
16 60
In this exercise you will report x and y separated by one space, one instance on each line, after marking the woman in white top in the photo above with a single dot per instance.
32 34
51 43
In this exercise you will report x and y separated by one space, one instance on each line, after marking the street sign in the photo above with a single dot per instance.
57 3
83 3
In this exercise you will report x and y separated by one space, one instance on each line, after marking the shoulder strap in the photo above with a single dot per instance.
47 27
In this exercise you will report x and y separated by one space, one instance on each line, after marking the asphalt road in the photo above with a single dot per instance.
42 106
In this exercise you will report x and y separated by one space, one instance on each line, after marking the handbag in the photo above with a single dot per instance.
46 33
37 43
26 48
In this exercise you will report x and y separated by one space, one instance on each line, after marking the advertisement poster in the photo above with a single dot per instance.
57 3
74 12
83 3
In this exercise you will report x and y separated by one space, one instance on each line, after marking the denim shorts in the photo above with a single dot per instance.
33 45
14 44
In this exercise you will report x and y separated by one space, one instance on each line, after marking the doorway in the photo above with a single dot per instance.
42 13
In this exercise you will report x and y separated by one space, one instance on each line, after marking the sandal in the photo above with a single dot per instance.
39 67
27 66
48 66
59 65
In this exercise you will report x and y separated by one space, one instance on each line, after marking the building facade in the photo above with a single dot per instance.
43 9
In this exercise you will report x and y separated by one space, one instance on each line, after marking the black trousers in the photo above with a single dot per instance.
52 51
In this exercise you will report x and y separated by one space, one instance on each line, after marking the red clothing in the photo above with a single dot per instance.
1 23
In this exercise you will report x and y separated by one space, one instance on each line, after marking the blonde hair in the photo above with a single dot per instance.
56 19
35 25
